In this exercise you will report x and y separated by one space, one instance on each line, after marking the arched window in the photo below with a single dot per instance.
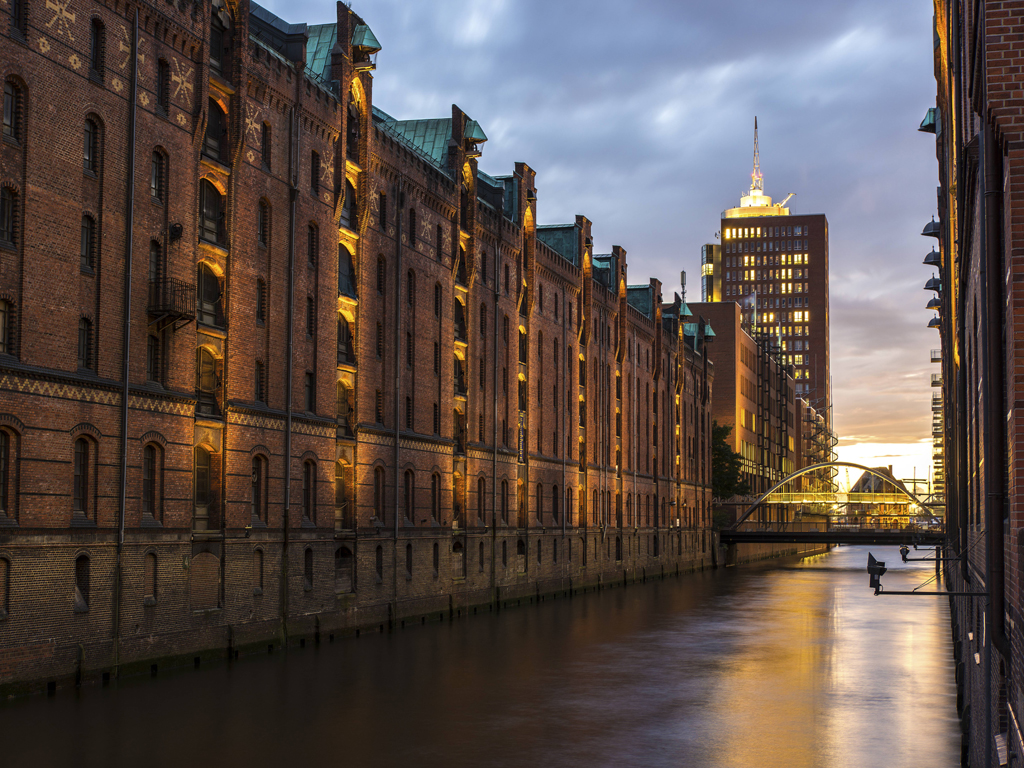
481 557
206 383
438 297
258 494
618 548
211 213
483 320
506 279
379 567
214 142
307 569
523 345
91 146
149 580
266 145
481 499
378 493
410 280
440 241
408 560
437 559
540 502
412 228
554 504
309 490
210 305
408 492
382 275
344 570
152 481
157 177
81 501
81 599
314 174
88 249
346 273
96 46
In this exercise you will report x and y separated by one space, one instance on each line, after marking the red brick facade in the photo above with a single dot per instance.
331 420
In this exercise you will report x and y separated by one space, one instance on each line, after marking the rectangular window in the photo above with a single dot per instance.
310 316
314 174
379 407
163 86
259 384
261 301
84 343
265 145
153 358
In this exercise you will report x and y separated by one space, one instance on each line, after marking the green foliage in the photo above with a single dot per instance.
725 465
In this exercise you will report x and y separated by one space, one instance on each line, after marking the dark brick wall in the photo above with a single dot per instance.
223 576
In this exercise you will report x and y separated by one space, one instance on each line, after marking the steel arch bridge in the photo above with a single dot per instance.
842 534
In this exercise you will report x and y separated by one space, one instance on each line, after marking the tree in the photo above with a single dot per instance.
725 465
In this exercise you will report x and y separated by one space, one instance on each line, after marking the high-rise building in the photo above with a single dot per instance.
774 264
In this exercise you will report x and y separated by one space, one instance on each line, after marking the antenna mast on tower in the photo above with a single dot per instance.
756 180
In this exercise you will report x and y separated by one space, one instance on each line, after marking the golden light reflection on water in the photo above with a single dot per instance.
776 665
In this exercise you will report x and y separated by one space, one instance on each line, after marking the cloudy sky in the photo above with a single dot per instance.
640 116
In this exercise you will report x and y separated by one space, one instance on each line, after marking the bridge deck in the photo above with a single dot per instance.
896 537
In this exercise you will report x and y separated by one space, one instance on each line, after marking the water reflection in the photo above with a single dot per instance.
765 666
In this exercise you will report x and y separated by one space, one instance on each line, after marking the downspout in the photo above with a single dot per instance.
293 195
126 351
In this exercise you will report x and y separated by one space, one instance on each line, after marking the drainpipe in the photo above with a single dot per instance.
126 351
293 195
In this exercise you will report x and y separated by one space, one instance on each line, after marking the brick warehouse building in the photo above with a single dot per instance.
313 370
979 144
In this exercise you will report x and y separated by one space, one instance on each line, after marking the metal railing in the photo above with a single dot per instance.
169 296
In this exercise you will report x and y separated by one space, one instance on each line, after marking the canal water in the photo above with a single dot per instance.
790 664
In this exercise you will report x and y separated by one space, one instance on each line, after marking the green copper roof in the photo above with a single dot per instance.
429 138
362 37
563 239
474 132
322 38
690 329
640 297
